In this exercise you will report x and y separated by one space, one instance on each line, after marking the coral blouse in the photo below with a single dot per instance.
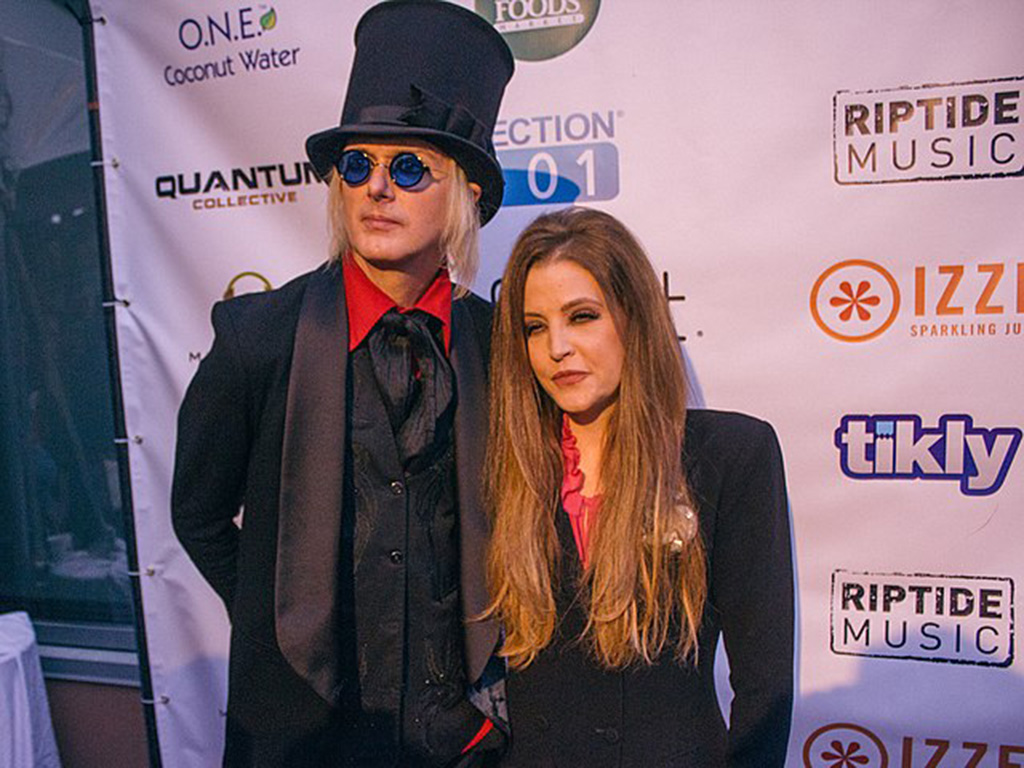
582 510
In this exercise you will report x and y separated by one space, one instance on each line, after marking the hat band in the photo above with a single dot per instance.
432 113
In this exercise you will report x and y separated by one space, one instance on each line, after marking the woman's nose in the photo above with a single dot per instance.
559 345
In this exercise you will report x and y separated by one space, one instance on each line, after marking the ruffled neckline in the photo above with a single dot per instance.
572 477
581 509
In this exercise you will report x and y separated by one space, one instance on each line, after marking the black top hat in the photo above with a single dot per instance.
429 70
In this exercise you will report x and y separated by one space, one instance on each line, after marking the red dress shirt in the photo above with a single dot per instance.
366 303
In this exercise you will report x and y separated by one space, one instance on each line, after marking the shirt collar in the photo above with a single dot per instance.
366 303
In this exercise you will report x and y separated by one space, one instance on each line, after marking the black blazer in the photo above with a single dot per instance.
262 427
567 711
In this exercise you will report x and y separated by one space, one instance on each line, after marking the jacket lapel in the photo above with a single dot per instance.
312 482
470 442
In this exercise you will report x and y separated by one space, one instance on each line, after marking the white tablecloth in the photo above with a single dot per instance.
26 733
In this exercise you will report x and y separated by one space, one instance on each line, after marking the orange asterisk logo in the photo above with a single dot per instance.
844 756
855 300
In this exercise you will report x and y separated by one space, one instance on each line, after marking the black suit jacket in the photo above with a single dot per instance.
262 428
567 711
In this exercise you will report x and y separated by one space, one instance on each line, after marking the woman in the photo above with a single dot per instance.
627 531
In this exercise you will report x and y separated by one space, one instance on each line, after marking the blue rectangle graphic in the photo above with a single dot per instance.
568 173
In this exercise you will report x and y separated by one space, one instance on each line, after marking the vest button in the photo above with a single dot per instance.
610 735
397 488
396 556
543 724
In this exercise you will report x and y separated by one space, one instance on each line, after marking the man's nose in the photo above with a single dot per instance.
378 186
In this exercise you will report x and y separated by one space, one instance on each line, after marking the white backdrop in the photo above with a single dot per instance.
833 194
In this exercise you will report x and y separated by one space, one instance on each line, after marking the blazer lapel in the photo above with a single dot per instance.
312 482
470 441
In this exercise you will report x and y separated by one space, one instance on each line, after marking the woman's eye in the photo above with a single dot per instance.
584 316
531 328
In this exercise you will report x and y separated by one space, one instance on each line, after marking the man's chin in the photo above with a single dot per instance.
395 260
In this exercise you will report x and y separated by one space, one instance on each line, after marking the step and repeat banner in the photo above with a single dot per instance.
832 195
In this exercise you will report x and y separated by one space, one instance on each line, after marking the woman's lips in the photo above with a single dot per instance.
568 378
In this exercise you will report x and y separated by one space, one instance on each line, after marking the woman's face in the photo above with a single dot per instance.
572 339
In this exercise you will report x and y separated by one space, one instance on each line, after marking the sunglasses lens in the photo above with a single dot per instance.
354 167
407 170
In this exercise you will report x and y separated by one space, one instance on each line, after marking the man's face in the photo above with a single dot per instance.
395 228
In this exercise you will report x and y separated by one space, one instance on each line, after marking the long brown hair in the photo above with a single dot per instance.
646 578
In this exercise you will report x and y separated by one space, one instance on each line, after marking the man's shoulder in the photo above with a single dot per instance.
267 304
480 313
264 323
274 299
478 307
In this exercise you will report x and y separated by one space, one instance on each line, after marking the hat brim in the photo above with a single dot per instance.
325 148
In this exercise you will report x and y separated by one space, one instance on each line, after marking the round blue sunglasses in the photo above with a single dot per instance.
405 169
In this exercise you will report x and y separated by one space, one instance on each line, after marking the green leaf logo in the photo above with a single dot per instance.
269 20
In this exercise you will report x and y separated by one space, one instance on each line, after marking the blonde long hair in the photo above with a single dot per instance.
460 236
646 579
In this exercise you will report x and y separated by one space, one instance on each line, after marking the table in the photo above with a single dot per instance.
26 733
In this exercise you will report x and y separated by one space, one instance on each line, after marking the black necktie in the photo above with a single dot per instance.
414 376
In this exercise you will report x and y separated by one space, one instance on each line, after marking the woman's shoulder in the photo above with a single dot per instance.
706 423
727 435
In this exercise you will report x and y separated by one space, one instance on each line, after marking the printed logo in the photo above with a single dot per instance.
238 188
536 30
923 617
928 132
848 745
238 30
671 297
897 447
855 300
246 282
858 300
844 745
551 159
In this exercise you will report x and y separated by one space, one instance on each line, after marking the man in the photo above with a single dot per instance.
346 412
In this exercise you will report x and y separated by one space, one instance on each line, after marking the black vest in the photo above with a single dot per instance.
402 634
